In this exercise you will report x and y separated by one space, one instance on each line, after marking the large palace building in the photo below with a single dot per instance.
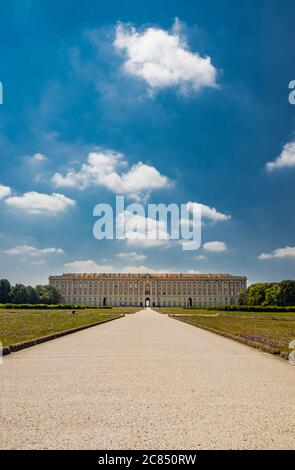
155 290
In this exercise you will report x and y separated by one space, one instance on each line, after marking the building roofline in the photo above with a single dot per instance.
144 275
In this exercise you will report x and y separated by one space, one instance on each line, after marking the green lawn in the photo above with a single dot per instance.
270 330
17 326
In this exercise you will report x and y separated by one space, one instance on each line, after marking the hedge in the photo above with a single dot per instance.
253 308
49 307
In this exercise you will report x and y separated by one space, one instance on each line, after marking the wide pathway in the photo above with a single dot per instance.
149 382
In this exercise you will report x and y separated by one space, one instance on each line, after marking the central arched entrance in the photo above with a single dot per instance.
190 302
104 302
147 302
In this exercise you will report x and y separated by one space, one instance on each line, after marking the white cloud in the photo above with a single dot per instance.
143 231
209 213
87 266
139 270
286 159
38 203
132 256
288 252
98 166
215 246
90 266
5 191
101 169
37 158
139 178
32 251
163 59
200 257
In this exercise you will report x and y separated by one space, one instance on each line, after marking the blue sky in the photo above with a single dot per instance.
106 97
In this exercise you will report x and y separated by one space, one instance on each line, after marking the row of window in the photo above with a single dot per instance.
136 286
69 291
164 303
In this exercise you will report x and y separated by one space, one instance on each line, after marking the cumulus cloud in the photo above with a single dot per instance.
37 158
98 166
209 213
38 203
287 252
5 191
90 266
163 59
200 257
102 169
286 159
131 256
28 250
141 270
143 231
215 246
87 266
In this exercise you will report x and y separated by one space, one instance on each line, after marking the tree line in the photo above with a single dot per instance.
269 294
20 294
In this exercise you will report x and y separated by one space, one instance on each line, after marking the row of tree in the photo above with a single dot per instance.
20 294
265 294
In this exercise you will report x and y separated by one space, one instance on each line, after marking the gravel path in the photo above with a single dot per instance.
148 382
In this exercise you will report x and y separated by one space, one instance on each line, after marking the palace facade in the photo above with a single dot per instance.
155 290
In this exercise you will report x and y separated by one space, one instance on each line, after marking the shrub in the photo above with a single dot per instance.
251 308
49 307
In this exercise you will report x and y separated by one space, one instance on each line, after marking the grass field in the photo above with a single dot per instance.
270 330
17 326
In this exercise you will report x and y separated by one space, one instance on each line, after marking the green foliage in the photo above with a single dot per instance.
286 295
5 289
256 294
10 306
269 294
243 297
20 294
272 294
43 294
54 294
32 294
48 294
251 308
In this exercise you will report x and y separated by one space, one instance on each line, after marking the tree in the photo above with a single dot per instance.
54 294
243 297
19 294
271 295
43 294
5 289
256 293
286 295
48 294
32 295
